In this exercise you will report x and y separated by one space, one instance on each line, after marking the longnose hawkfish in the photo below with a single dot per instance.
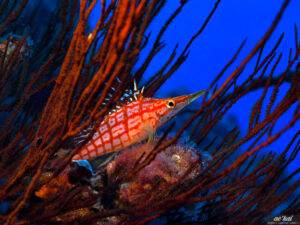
133 122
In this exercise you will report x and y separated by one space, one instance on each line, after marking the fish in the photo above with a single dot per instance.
137 119
9 44
134 122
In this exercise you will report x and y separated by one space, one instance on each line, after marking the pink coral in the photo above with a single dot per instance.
168 167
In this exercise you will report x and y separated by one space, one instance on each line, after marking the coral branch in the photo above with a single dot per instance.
58 84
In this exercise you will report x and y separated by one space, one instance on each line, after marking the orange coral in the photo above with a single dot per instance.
56 186
90 65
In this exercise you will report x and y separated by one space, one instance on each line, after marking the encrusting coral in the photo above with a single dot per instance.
153 182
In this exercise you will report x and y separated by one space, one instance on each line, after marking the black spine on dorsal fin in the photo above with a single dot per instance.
72 142
131 95
128 96
111 92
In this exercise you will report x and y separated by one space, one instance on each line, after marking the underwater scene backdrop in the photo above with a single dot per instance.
92 130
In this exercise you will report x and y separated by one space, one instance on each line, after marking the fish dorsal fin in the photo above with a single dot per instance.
128 96
131 95
111 91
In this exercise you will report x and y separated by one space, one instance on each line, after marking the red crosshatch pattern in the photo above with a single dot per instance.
128 125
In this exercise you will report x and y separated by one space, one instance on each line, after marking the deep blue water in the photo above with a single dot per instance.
233 22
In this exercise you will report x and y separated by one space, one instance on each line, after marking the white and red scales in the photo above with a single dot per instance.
132 123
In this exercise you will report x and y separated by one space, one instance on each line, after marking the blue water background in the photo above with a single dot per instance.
233 22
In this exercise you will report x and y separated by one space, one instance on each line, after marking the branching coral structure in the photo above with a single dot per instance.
58 83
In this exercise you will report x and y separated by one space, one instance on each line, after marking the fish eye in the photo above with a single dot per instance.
170 104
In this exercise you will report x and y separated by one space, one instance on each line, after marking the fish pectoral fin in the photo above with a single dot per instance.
107 159
151 136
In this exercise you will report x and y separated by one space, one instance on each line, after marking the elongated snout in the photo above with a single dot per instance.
185 100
